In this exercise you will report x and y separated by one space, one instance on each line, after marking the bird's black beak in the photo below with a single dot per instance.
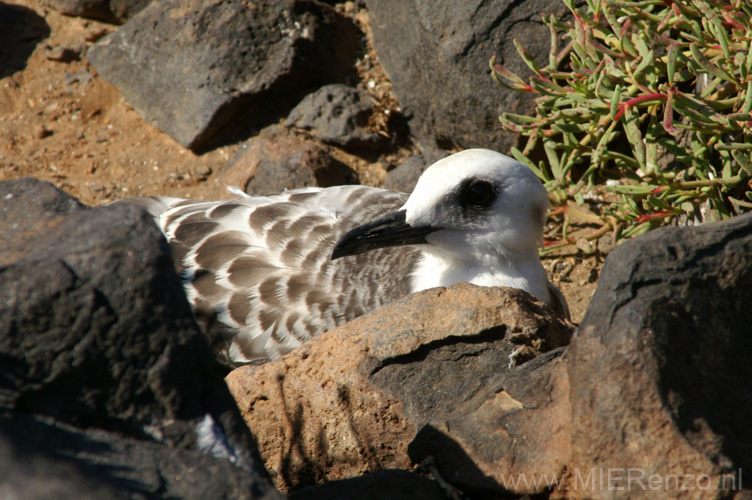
388 231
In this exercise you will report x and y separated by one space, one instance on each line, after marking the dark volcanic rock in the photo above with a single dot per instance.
381 485
662 364
111 11
517 426
436 55
192 68
337 114
103 368
35 469
275 161
55 461
652 394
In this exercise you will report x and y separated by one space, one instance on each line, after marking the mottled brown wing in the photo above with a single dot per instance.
258 273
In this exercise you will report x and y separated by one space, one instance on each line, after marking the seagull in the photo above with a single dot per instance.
266 273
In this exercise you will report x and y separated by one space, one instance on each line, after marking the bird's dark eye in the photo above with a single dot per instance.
479 193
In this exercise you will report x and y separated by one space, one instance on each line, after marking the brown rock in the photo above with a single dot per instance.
350 400
111 11
43 132
275 161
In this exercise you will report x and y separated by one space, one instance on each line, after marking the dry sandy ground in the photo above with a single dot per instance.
62 123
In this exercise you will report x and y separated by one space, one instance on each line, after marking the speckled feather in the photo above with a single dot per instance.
258 273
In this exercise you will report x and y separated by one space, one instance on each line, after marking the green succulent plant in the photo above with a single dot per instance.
650 100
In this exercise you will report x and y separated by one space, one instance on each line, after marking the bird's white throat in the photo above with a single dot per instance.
524 272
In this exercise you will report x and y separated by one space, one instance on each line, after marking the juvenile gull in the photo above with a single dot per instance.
264 274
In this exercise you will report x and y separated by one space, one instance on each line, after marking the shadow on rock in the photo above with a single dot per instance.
385 484
518 423
298 463
21 30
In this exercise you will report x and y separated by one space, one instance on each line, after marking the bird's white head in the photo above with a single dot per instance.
476 204
481 203
477 215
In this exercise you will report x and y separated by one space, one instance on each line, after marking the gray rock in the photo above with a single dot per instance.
436 55
337 114
203 71
96 333
77 82
405 176
275 161
111 11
